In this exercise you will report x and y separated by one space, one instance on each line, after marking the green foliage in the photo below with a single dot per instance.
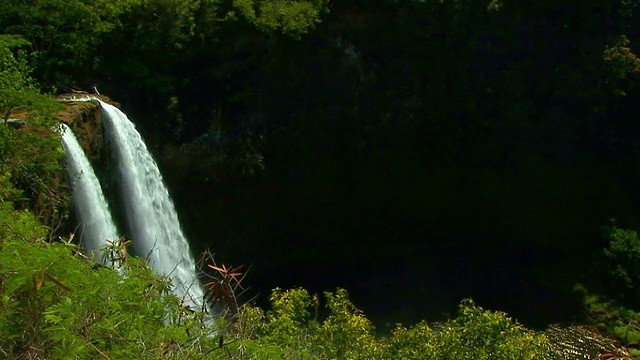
18 225
614 310
620 63
623 257
30 164
57 305
66 37
158 25
346 333
289 330
18 91
14 70
292 18
611 318
8 193
30 158
443 74
62 34
474 334
288 316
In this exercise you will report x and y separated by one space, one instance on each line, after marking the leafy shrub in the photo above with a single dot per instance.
18 90
346 333
30 157
291 18
31 172
56 304
18 225
623 256
474 334
290 330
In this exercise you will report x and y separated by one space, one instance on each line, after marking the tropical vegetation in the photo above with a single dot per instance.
405 128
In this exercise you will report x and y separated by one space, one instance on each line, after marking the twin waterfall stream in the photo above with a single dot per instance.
151 217
92 209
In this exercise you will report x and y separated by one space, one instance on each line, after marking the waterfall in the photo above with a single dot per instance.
94 218
152 219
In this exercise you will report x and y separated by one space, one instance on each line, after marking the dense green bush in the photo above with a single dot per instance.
614 307
623 256
293 326
474 334
292 330
56 304
30 157
18 90
30 161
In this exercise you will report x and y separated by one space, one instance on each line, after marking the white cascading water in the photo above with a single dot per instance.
153 221
94 218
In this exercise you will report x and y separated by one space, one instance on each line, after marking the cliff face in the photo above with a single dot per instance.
85 119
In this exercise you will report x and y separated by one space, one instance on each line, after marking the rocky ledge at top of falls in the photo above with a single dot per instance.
85 119
81 114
